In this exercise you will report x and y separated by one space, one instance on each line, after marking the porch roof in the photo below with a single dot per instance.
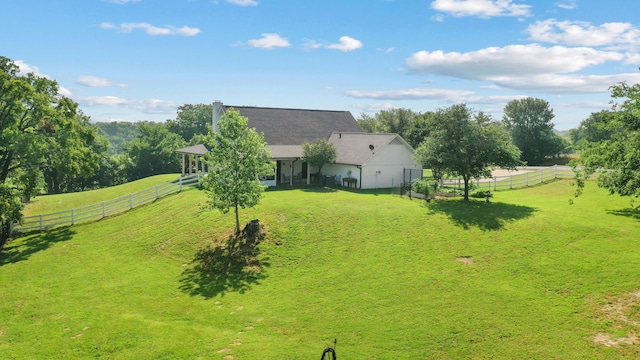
199 149
285 151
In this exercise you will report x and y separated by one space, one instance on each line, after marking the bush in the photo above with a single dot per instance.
421 186
481 194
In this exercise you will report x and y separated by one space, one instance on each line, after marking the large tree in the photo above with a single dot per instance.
191 120
238 156
528 121
34 121
466 145
319 153
615 157
153 151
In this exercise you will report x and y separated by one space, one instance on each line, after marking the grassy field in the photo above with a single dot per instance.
526 277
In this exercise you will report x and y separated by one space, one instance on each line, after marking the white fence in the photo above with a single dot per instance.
105 208
522 178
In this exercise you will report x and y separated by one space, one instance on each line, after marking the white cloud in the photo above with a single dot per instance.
410 94
567 4
26 68
147 106
152 30
481 8
94 81
268 41
311 45
243 2
556 83
347 43
373 107
611 35
64 92
513 60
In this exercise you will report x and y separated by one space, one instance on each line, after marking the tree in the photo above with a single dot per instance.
238 156
592 129
191 120
616 158
152 152
319 153
419 129
33 116
529 122
466 145
368 123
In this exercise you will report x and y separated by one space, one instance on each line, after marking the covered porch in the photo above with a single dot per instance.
192 159
290 169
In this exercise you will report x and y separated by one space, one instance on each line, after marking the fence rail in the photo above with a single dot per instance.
523 179
105 208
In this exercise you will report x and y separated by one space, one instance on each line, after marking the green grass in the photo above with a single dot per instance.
45 204
380 273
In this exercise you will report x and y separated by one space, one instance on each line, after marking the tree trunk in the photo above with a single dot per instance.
5 228
466 188
237 221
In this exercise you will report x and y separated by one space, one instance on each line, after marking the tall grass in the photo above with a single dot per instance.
524 277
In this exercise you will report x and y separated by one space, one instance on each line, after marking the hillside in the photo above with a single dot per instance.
527 276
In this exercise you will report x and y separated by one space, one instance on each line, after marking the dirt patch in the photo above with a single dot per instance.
465 259
623 313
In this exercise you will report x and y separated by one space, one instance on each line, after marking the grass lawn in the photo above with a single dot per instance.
526 277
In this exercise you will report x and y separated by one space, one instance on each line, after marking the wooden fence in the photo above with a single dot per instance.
522 179
105 208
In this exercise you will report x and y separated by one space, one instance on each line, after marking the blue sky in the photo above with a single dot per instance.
130 60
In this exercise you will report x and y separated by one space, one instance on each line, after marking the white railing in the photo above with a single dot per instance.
105 208
521 179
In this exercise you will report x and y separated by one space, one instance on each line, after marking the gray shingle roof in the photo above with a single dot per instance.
296 126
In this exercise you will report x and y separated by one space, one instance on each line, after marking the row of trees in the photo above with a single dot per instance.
528 122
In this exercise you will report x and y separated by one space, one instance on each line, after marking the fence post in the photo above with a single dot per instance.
156 192
527 178
495 183
541 176
130 201
555 171
104 210
73 216
180 183
511 182
41 227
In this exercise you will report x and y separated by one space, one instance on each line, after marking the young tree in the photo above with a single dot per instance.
466 145
529 122
616 157
238 155
319 153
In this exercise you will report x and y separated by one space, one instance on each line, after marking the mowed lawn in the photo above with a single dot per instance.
528 276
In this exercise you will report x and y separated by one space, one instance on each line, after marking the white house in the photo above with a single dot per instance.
366 160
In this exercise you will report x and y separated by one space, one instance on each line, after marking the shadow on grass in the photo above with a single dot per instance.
22 247
232 266
633 213
491 216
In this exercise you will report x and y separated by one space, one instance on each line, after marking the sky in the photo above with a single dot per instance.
132 60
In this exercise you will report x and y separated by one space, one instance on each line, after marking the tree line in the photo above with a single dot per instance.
48 145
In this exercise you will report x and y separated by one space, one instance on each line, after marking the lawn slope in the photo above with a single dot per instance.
527 276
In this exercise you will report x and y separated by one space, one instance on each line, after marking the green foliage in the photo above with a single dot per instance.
238 155
191 120
466 145
153 151
529 122
319 153
39 130
422 186
118 134
412 126
615 156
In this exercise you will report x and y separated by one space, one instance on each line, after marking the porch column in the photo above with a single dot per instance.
197 163
183 162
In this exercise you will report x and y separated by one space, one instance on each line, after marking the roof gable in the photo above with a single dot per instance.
357 148
296 126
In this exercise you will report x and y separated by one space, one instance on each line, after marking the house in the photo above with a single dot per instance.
366 160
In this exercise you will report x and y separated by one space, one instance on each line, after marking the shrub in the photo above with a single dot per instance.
421 186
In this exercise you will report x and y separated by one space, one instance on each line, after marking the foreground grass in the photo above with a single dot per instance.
528 276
